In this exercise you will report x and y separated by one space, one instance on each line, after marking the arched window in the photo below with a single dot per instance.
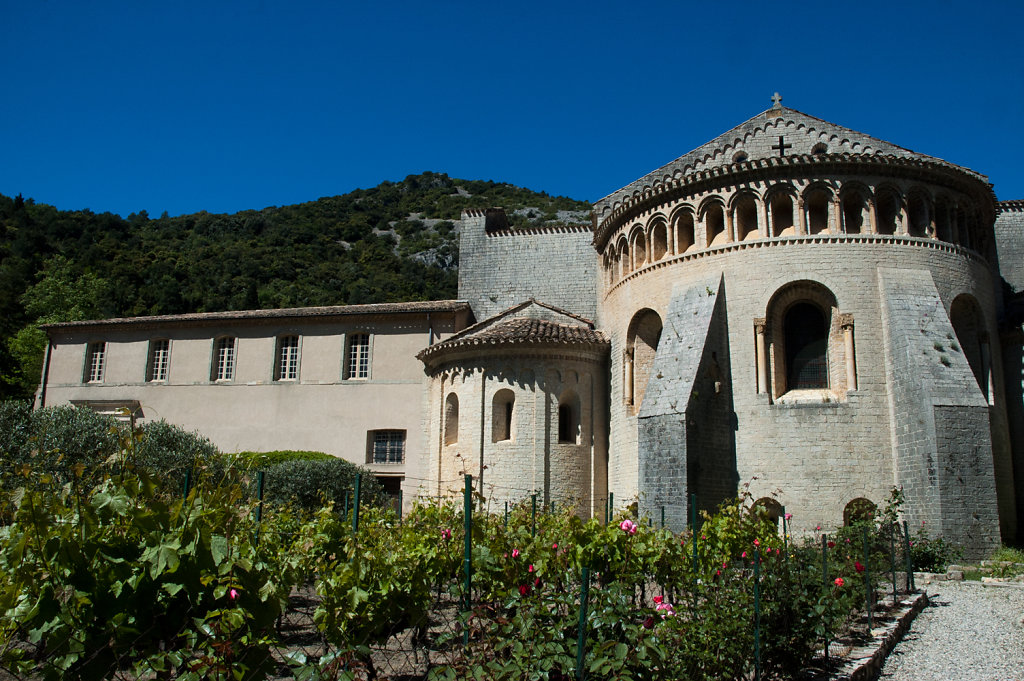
684 233
624 264
714 224
641 347
816 205
659 240
887 205
918 214
451 419
859 510
771 508
746 218
501 415
853 207
806 343
639 249
782 215
569 418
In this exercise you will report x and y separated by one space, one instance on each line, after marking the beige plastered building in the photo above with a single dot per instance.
794 304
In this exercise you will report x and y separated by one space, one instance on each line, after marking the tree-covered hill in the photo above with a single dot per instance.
396 241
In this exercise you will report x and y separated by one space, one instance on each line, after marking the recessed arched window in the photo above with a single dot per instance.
770 507
684 233
659 240
501 415
969 327
816 205
859 510
569 418
781 205
745 217
853 210
806 343
888 211
451 419
642 341
714 224
819 149
739 157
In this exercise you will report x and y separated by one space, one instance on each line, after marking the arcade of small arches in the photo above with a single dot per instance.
781 211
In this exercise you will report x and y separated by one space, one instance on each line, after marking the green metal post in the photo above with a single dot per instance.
552 507
824 581
355 505
467 560
506 515
693 529
785 532
892 560
259 509
910 563
399 507
867 578
611 508
757 614
346 504
581 643
663 517
533 515
188 482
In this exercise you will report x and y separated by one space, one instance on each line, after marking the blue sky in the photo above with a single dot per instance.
224 106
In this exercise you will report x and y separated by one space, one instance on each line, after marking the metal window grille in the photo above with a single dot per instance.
287 358
225 359
388 446
359 356
159 357
94 363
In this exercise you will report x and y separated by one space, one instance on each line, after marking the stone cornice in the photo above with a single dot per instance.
794 167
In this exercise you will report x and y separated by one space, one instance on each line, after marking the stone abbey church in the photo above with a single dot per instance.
795 304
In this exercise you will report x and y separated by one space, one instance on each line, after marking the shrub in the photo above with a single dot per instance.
54 441
262 460
170 452
309 483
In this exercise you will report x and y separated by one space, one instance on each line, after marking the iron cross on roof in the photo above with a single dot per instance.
781 146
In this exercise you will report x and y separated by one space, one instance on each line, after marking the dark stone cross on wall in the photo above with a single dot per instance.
781 146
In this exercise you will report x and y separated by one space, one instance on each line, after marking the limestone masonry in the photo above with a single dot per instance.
793 304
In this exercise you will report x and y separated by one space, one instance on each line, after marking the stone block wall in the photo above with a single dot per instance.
821 455
942 435
500 268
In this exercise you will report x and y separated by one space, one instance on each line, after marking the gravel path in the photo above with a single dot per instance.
969 632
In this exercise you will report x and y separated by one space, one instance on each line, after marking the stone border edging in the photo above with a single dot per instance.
867 661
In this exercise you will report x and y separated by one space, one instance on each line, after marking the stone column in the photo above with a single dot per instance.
762 360
872 217
835 217
762 220
846 322
904 227
729 234
627 376
801 228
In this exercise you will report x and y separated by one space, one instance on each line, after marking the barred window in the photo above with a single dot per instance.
223 360
387 446
159 358
286 366
357 363
95 358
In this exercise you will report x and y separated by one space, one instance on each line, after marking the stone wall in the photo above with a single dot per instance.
941 430
821 455
499 268
532 459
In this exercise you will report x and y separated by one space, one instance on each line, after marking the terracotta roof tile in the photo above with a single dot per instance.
522 330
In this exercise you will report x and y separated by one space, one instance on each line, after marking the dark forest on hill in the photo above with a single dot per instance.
393 242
